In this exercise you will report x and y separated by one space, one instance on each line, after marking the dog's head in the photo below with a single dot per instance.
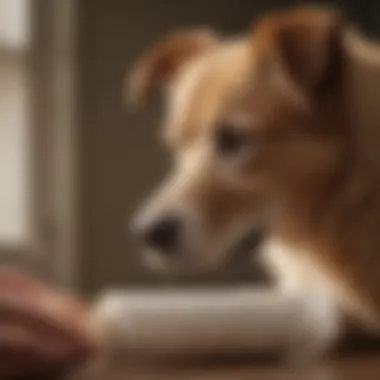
248 121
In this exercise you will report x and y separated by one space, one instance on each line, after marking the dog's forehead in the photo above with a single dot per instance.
206 87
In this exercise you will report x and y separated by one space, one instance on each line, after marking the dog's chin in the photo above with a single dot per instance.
238 252
242 249
155 262
162 263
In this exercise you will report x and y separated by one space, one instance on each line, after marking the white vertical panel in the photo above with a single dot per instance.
14 122
14 152
14 24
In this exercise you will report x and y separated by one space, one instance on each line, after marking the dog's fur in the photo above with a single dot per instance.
302 88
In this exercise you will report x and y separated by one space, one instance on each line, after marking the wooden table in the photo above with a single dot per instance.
359 367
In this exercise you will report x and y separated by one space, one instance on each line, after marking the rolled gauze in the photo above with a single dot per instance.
198 321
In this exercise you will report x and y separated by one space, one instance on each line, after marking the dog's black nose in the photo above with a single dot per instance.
163 234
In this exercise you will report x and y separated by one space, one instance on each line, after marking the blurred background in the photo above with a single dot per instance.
74 163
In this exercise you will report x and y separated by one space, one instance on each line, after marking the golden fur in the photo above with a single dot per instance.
303 88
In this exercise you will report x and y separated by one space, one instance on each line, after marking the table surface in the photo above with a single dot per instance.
359 367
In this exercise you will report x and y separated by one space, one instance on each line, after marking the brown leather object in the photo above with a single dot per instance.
43 334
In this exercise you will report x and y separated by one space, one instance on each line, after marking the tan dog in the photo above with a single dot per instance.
277 129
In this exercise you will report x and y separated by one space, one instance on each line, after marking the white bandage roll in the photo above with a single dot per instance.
186 322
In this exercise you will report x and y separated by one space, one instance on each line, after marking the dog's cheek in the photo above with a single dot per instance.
222 204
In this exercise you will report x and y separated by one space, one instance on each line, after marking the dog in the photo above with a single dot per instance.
275 135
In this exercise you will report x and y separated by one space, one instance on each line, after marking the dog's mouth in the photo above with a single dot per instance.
236 255
243 248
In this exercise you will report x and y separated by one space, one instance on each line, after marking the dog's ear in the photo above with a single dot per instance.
308 45
161 63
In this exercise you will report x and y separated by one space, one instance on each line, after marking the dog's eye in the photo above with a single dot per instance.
229 142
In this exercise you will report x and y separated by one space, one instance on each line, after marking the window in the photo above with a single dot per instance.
36 136
14 123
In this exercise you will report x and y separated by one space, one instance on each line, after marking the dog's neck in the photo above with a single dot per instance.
364 95
356 175
357 108
344 236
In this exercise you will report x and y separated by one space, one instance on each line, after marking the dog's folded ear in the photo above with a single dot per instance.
308 45
162 62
